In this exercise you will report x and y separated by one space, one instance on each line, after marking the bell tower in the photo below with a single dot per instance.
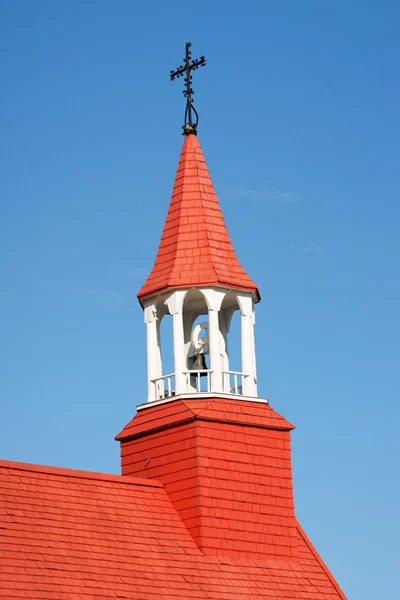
198 282
221 452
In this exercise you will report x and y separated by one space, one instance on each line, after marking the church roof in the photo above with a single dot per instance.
68 534
195 248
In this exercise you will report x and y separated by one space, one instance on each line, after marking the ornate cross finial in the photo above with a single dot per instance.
185 69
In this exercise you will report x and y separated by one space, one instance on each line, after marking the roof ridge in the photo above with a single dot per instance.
79 474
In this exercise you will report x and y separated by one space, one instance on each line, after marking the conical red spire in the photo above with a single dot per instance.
195 248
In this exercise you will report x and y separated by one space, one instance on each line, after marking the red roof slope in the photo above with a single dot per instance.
237 411
69 535
195 248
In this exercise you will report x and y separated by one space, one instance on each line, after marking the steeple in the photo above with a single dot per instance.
221 452
196 274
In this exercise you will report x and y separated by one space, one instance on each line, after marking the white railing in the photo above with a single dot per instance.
233 382
194 380
164 386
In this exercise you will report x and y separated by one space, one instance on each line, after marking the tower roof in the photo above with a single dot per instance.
195 248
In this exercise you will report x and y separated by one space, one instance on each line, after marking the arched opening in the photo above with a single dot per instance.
165 385
230 325
195 326
166 344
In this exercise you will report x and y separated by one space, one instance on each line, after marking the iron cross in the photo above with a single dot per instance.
188 66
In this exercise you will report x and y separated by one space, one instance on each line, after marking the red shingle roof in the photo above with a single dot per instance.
69 535
195 248
207 409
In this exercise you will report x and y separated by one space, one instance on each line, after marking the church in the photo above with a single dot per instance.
204 506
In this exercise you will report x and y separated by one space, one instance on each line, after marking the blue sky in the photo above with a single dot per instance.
299 124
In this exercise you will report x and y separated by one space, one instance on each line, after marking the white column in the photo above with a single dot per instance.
253 342
224 320
248 355
153 360
215 351
246 306
175 305
179 353
188 321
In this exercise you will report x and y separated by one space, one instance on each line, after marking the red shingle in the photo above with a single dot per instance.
195 248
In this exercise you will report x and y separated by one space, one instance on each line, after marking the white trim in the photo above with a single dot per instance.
201 396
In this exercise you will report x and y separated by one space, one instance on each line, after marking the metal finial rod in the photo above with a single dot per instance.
186 69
